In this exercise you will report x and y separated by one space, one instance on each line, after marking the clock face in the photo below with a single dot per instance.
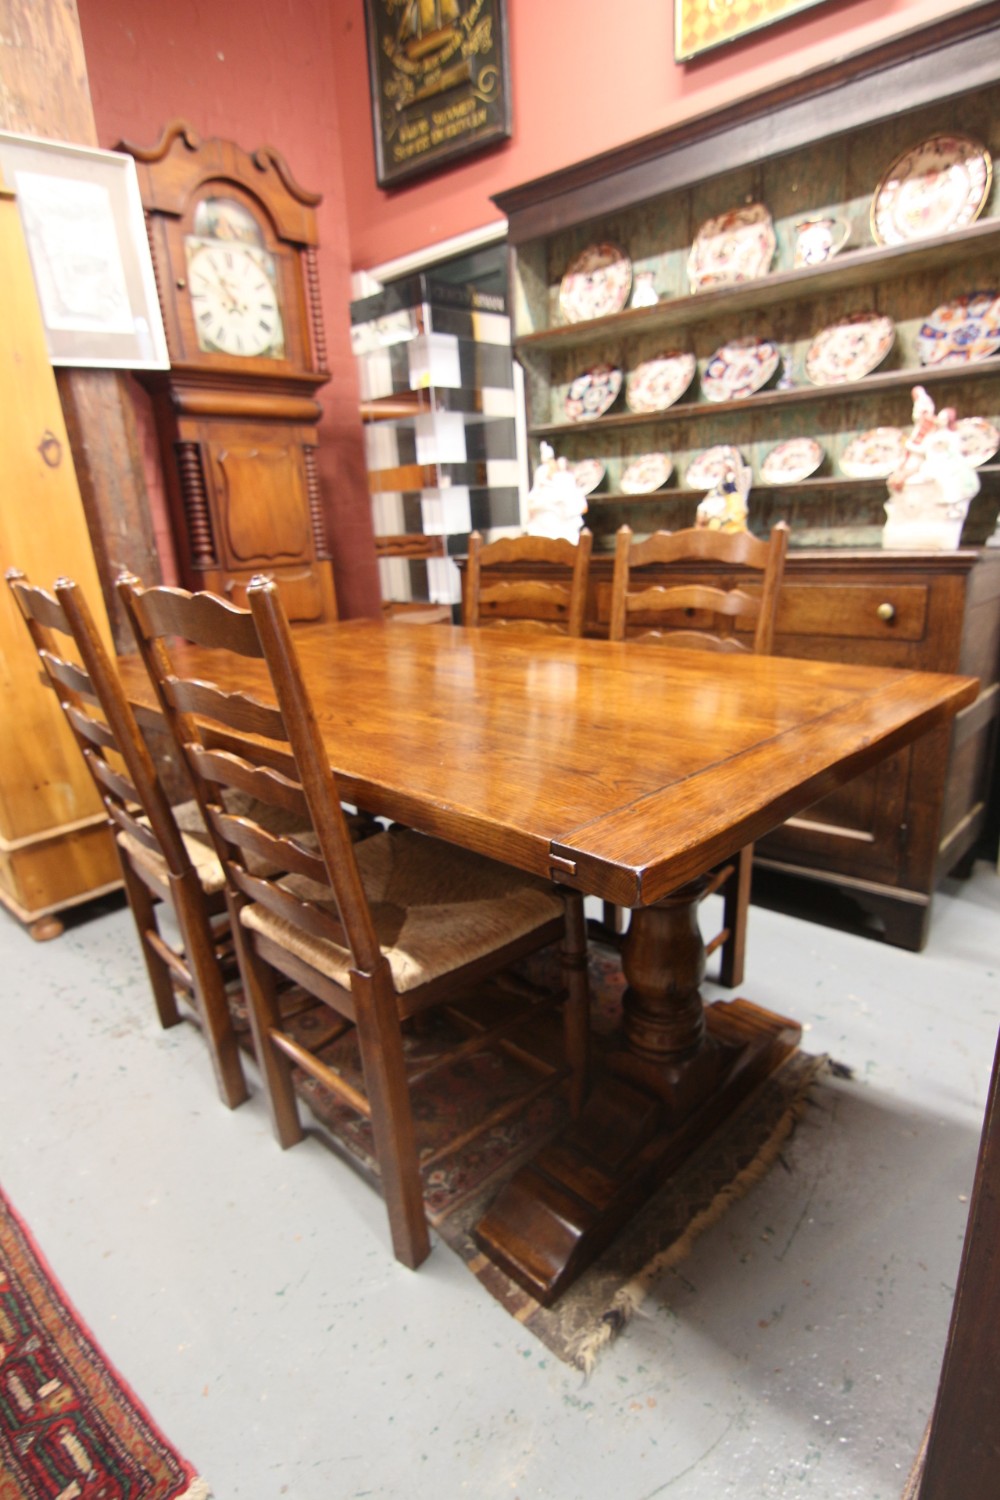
233 291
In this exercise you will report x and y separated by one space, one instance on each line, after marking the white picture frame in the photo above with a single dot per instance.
86 235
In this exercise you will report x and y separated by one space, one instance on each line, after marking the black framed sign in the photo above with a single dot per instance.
439 82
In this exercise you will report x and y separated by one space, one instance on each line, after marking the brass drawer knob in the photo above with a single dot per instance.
886 612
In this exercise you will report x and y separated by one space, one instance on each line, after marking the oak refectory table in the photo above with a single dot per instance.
624 772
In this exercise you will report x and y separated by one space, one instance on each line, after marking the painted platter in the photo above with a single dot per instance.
739 368
735 246
850 349
874 454
657 383
940 185
588 473
647 473
597 283
979 438
705 471
961 332
792 461
593 392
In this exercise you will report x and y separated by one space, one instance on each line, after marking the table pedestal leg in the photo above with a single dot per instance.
679 1071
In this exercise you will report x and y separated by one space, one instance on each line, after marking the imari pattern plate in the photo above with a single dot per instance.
933 188
592 392
736 246
704 471
658 383
962 331
874 454
739 368
792 461
647 473
850 349
597 283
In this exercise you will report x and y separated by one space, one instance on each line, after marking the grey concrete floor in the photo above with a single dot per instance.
250 1298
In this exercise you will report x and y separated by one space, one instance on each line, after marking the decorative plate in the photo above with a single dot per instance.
657 383
597 282
650 472
791 462
588 474
704 471
850 349
739 368
961 332
592 392
940 185
874 454
736 246
979 438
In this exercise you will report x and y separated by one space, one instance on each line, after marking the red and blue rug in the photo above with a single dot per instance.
70 1427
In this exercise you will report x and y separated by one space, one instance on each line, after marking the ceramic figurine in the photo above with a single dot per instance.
556 503
724 508
930 490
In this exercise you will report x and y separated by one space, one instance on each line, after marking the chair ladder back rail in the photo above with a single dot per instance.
92 683
140 810
315 775
727 606
556 603
146 786
157 613
201 714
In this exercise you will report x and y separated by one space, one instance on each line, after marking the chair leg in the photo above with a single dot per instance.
736 907
381 1044
576 1012
260 993
143 907
210 990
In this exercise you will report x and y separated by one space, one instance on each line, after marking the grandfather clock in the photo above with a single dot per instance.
234 240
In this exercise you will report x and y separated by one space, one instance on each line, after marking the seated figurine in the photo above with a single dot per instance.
930 490
556 503
724 508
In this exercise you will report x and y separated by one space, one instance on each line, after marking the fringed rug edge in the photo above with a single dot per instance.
630 1297
196 1488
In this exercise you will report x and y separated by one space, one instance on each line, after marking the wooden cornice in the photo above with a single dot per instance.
928 63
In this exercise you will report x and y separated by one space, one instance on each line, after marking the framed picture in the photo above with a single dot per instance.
701 24
86 235
439 82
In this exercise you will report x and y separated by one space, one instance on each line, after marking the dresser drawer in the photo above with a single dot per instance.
862 611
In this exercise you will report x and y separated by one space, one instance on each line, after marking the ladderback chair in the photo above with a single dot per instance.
378 931
555 600
163 867
681 611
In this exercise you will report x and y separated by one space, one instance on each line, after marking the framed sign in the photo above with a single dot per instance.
701 24
439 82
82 218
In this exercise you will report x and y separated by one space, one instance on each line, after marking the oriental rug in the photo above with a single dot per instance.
458 1187
70 1428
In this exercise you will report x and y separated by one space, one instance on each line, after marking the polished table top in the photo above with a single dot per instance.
624 770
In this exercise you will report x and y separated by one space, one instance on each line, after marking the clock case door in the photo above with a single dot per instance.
238 434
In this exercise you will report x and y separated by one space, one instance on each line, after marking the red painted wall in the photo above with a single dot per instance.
587 75
259 74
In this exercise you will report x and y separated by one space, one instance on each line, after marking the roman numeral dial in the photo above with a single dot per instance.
234 300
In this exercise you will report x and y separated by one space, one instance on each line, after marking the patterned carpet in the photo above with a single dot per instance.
458 1188
70 1428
